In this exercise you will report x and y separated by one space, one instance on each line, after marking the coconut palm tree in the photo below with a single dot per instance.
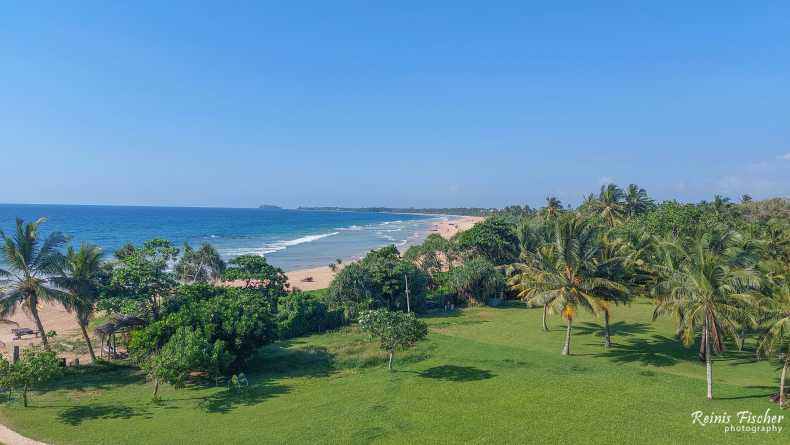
711 292
609 205
776 339
80 277
636 200
31 264
536 263
571 278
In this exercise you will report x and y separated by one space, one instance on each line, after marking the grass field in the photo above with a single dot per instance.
485 375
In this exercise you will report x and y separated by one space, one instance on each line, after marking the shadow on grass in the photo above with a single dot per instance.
456 373
657 350
225 401
75 415
620 328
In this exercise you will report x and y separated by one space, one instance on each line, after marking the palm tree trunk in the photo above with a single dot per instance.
545 313
87 340
566 350
39 326
607 339
708 363
156 389
390 361
782 381
24 396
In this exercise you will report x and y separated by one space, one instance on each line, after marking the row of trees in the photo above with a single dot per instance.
720 269
195 311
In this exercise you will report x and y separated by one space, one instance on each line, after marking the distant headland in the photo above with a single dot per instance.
269 207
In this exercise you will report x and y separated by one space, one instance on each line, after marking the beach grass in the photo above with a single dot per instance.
485 375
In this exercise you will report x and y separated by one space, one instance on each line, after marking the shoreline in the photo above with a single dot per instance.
322 275
55 318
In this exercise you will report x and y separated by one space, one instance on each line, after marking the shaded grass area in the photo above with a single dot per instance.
484 375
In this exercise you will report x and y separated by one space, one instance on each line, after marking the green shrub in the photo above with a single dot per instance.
300 313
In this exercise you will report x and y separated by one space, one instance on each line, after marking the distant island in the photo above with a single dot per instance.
461 211
269 207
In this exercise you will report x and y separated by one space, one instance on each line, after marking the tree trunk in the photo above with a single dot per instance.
87 340
24 396
607 339
708 363
566 350
156 389
782 381
39 326
545 313
390 361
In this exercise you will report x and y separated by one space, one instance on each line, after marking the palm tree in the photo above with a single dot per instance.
776 340
720 204
31 263
711 292
609 205
536 263
571 278
553 207
636 200
202 265
80 277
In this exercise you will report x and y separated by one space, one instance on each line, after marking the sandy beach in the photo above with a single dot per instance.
55 318
321 277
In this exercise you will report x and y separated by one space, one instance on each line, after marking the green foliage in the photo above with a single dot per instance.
379 281
202 265
433 255
476 281
234 321
252 269
35 367
300 313
142 280
186 350
493 238
30 263
394 330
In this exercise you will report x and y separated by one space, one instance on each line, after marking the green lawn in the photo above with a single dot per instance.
484 375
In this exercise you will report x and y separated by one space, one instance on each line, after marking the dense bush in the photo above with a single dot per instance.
379 281
301 313
494 239
235 322
476 281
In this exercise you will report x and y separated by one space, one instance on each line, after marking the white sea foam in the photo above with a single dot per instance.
275 246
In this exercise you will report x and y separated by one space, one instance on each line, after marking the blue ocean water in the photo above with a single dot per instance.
291 239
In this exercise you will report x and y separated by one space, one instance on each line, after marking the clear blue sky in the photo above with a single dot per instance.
415 103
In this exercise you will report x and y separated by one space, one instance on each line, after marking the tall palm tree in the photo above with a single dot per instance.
80 277
636 200
609 205
31 264
572 279
711 292
776 339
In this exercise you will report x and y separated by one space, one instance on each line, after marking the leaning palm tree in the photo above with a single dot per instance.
776 339
30 265
573 279
523 275
81 279
711 293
